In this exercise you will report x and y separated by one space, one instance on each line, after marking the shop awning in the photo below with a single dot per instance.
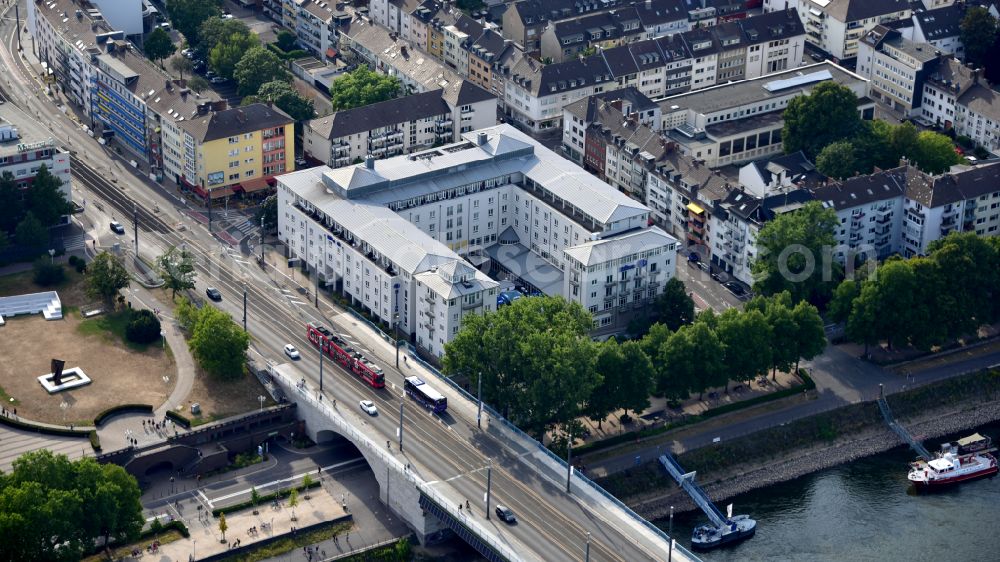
695 209
331 52
254 185
220 192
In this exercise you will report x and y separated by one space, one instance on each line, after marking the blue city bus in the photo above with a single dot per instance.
423 393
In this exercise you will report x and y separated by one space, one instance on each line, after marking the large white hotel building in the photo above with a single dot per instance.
413 238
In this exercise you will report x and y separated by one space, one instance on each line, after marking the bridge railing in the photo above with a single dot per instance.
306 394
560 466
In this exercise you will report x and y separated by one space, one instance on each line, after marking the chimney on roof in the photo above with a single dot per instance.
203 108
370 162
241 116
975 76
481 139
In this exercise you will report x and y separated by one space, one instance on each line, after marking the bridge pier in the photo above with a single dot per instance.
397 485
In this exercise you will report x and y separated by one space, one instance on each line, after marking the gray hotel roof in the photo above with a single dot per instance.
734 94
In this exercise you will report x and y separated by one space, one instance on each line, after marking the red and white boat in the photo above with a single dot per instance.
950 468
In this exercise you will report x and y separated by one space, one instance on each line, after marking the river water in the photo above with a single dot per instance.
864 510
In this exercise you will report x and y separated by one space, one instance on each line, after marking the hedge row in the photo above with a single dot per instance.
48 430
179 419
286 55
807 384
103 416
283 493
175 525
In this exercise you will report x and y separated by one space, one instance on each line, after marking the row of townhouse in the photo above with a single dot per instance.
136 106
400 125
472 48
957 97
536 94
527 22
836 26
423 240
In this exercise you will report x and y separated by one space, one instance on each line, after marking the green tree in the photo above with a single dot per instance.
106 276
187 16
285 98
675 307
182 65
158 45
691 360
363 87
746 338
873 146
603 400
176 267
47 273
978 32
809 337
843 300
54 509
143 327
216 30
257 67
862 324
219 344
934 152
293 501
794 254
46 198
198 84
31 234
535 356
268 211
226 55
223 526
781 320
968 268
837 160
254 498
826 115
286 40
4 241
186 314
903 141
12 209
626 380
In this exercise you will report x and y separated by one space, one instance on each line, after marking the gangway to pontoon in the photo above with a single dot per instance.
687 483
883 406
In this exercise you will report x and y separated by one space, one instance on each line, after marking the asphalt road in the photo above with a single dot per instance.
446 449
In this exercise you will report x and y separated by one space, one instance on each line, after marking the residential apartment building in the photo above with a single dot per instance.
536 94
742 121
964 201
237 150
869 211
895 68
956 97
578 117
399 126
836 26
409 237
565 39
939 27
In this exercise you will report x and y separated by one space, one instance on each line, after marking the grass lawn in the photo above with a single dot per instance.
288 544
125 552
72 291
111 326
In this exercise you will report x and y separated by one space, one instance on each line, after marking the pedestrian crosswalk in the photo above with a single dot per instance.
246 227
73 243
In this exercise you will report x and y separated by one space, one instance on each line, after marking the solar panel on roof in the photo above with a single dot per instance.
777 85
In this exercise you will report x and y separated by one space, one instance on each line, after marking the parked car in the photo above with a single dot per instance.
506 515
226 16
735 288
213 294
704 266
218 80
117 227
368 407
291 352
187 52
694 257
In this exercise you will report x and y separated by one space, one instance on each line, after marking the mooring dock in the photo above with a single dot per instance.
917 446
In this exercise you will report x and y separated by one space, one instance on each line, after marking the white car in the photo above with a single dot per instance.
291 352
369 407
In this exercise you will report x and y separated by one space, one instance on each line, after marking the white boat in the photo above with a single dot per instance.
949 469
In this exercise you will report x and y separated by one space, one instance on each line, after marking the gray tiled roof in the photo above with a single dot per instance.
862 190
941 22
235 121
586 108
382 114
982 100
601 251
854 10
936 191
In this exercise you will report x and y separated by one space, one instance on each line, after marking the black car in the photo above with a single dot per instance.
735 288
213 294
694 257
117 227
506 515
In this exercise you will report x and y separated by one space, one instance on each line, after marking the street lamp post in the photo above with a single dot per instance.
569 462
395 326
587 552
261 399
163 339
489 482
320 348
135 227
52 255
244 307
479 398
262 240
401 401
